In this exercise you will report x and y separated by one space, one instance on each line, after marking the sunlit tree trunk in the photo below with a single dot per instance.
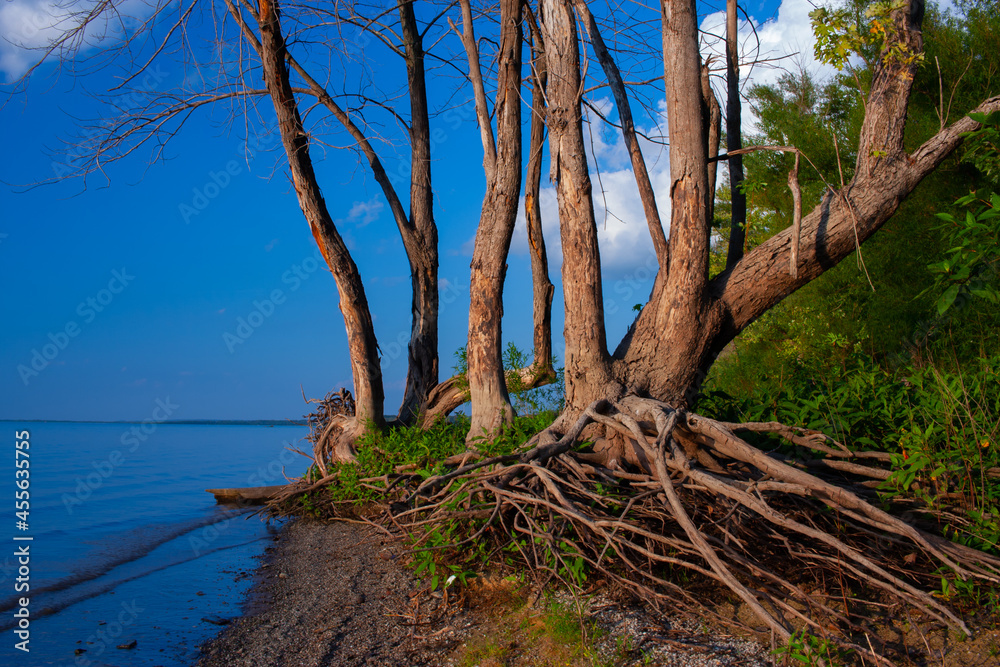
542 288
362 345
587 372
491 408
689 319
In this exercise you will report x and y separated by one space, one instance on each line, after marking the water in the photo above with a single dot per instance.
127 546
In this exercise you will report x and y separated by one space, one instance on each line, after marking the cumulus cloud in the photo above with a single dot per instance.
785 41
621 222
26 25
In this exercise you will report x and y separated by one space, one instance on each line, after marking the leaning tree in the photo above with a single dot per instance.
659 488
269 53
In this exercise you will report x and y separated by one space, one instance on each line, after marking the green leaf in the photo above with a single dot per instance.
989 294
947 299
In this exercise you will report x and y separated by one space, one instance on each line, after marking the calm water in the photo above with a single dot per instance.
127 545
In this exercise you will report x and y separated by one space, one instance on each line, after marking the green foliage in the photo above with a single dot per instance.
970 266
380 453
437 559
895 315
940 424
855 30
806 649
840 34
436 552
795 112
547 398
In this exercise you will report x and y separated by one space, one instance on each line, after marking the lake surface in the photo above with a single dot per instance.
126 545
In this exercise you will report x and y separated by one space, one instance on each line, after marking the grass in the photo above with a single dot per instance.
382 453
547 635
939 421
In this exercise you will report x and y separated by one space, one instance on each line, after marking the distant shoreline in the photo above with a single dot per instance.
175 422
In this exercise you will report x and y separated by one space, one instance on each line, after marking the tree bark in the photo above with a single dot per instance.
671 347
734 139
491 408
714 137
588 374
827 233
362 345
422 248
418 230
454 391
646 194
661 356
479 92
542 288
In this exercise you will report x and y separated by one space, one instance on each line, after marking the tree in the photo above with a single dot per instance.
631 402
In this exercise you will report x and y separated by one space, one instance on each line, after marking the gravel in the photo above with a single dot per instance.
338 594
327 594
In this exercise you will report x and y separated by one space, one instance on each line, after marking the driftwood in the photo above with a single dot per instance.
251 495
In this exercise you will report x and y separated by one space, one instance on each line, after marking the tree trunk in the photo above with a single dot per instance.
418 230
542 288
422 251
646 194
491 407
661 357
734 139
668 356
361 341
714 137
588 374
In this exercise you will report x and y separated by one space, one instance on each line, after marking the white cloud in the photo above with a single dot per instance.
27 27
622 230
363 212
786 41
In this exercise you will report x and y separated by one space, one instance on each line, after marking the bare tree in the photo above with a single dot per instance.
675 473
491 407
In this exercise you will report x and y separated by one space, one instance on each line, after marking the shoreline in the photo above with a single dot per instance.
338 594
324 594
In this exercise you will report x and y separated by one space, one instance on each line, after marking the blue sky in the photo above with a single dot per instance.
118 295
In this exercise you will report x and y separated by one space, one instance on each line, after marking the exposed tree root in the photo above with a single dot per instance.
664 495
333 428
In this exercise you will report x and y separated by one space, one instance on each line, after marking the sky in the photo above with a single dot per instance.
195 279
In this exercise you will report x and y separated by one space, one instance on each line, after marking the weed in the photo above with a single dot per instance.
806 649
